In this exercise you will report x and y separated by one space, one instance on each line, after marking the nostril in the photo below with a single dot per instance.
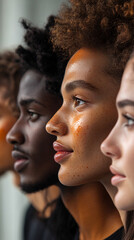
13 142
15 138
8 138
48 128
56 126
103 148
109 154
54 132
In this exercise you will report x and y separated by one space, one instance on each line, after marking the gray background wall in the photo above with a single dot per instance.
12 201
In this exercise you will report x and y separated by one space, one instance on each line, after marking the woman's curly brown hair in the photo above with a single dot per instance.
99 24
10 75
38 54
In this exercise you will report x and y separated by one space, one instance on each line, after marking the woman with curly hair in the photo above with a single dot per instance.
98 35
10 74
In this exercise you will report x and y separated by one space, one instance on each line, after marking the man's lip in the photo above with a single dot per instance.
58 147
20 165
117 176
21 160
17 155
61 150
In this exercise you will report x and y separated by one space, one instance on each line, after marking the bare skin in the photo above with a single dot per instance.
80 125
94 216
38 199
119 143
31 144
112 191
41 167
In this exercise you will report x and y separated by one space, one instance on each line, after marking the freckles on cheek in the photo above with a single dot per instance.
77 127
79 131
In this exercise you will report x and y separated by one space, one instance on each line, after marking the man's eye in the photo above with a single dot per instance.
130 120
33 116
78 101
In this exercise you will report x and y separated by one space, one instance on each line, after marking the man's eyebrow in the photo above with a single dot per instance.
26 102
79 84
125 103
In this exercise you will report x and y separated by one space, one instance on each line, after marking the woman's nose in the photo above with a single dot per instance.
110 146
57 125
106 149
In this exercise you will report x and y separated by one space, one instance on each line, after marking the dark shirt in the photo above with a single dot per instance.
34 228
115 236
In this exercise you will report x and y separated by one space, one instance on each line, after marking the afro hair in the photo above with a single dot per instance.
39 55
107 25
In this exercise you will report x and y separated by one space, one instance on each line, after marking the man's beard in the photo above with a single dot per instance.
35 187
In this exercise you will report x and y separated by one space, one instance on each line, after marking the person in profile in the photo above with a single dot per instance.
10 74
119 147
98 36
38 99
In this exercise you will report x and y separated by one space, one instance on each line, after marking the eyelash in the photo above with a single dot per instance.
31 114
77 100
128 118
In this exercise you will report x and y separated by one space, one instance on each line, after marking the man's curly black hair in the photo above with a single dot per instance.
39 55
10 75
107 25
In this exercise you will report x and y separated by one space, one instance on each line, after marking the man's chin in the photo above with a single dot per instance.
35 187
31 188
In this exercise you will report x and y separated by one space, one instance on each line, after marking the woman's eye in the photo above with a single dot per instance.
78 101
33 116
129 122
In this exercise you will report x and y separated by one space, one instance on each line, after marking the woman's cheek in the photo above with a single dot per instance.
77 126
79 130
127 160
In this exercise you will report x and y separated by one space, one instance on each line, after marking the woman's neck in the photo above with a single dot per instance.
93 210
106 182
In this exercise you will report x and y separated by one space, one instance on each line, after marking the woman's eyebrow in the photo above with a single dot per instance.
79 84
124 103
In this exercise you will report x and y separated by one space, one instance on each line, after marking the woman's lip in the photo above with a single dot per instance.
117 178
58 147
62 151
59 156
115 171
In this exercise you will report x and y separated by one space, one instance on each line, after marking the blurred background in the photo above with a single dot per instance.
12 202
